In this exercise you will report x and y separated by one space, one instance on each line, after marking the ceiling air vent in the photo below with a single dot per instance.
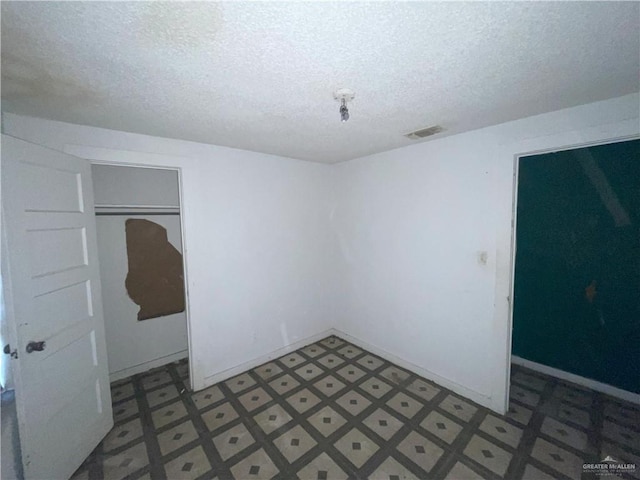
425 132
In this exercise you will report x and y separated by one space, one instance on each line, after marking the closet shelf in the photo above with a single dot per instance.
113 210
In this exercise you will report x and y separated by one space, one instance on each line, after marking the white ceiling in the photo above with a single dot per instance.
260 76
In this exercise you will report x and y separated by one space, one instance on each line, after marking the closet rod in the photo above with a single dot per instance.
101 214
145 207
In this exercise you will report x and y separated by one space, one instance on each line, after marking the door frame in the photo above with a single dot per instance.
514 224
105 156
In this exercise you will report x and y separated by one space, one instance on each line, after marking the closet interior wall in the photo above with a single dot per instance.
122 193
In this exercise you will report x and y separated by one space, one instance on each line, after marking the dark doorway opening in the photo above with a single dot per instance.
577 267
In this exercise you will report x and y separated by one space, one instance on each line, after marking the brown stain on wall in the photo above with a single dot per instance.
155 280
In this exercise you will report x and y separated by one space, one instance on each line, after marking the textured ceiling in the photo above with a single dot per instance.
260 76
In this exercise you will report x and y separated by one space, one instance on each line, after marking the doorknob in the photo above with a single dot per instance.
35 346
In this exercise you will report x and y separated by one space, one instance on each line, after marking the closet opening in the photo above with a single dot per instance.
142 272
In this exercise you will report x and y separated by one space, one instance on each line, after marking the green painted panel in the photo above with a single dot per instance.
577 274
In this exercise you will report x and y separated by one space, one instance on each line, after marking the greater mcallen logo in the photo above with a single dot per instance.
609 466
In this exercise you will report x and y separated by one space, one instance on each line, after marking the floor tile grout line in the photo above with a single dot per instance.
530 434
302 417
210 451
156 467
332 403
254 429
550 393
457 447
356 421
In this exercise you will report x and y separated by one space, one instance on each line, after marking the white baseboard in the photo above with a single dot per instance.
143 367
577 379
243 367
446 383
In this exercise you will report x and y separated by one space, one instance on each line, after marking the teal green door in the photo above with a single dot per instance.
577 272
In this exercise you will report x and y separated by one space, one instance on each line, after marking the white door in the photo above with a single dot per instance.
53 286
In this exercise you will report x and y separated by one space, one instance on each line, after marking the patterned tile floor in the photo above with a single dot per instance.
333 411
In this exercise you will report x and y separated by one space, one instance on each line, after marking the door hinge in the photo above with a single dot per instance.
7 350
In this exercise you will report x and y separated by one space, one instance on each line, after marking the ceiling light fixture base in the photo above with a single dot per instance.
345 94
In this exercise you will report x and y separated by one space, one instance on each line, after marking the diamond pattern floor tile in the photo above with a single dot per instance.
390 469
564 433
519 414
532 473
294 443
327 421
272 418
622 435
169 414
441 426
162 395
291 360
534 382
329 386
423 389
577 396
405 405
357 447
375 386
331 361
254 399
322 468
420 451
156 379
349 351
370 362
458 407
125 410
394 374
240 383
268 371
219 416
502 430
131 460
233 441
256 466
177 437
351 373
528 397
283 384
303 400
381 421
624 415
309 371
353 402
488 455
332 342
121 391
189 465
569 413
123 434
313 350
207 397
460 471
557 458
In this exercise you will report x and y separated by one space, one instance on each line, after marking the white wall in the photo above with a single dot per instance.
256 238
425 243
388 248
134 346
117 185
